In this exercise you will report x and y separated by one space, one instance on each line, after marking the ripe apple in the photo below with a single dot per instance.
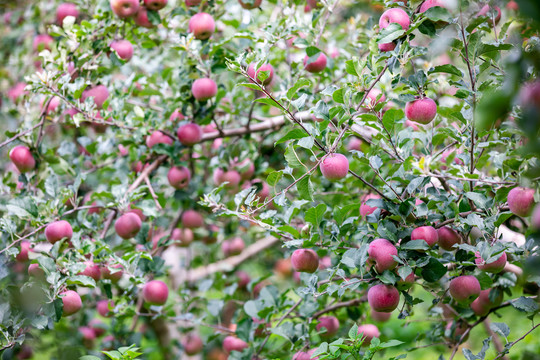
114 275
448 238
189 134
22 158
263 68
354 144
387 47
305 355
428 4
483 304
88 336
334 166
535 218
158 137
64 10
179 177
233 246
128 225
380 316
374 97
395 15
72 302
16 91
123 49
192 344
492 267
192 219
250 4
365 209
184 237
99 93
232 177
141 18
521 201
459 329
315 66
36 271
380 252
155 292
330 323
57 231
92 270
204 89
305 260
313 4
426 233
98 326
22 256
105 307
246 168
383 298
232 343
155 5
42 42
283 268
422 111
176 116
202 26
25 352
465 289
512 5
243 279
369 332
484 12
124 8
193 3
407 283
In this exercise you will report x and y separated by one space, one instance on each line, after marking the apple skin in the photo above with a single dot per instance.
192 344
428 4
243 279
176 116
202 26
92 270
369 332
179 177
512 5
305 260
128 225
64 10
193 3
16 91
141 18
387 47
334 166
380 316
124 8
58 230
246 168
354 144
123 48
482 305
305 355
372 96
232 343
383 298
106 273
22 158
72 302
535 218
233 246
265 67
99 93
316 66
313 4
365 209
521 201
422 111
98 326
42 42
184 237
250 4
189 134
464 289
380 252
426 233
155 292
204 89
493 267
22 256
232 177
158 137
104 308
448 238
283 268
395 15
330 323
155 5
484 12
36 271
192 219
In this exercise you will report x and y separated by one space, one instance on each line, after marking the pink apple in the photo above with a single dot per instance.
176 116
124 8
368 331
464 289
244 167
263 68
202 26
535 218
99 93
383 298
189 134
487 8
250 4
233 246
232 343
521 201
426 233
232 177
512 5
483 304
16 91
92 270
381 252
179 177
365 209
36 271
183 237
57 231
422 111
128 225
315 66
123 49
22 256
395 15
334 166
354 144
492 267
105 307
114 275
155 5
192 219
193 3
22 158
72 302
204 89
305 355
141 18
64 10
243 279
428 4
387 47
158 137
374 97
448 238
155 292
330 323
192 344
305 260
42 42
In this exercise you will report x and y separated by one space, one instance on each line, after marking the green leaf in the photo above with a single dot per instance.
305 188
274 177
390 117
337 96
437 13
315 215
292 135
302 82
433 271
415 245
390 33
525 304
448 68
89 357
500 328
23 207
390 343
292 158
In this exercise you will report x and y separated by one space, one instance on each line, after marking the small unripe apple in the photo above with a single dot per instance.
105 307
192 219
204 89
428 4
72 302
383 298
448 238
334 166
492 267
315 66
232 343
250 4
381 252
189 134
484 12
263 68
155 5
141 18
128 225
330 323
380 316
202 26
113 275
22 256
155 292
192 344
426 233
124 8
22 158
36 271
123 48
365 209
233 246
176 116
184 237
422 111
464 289
368 331
521 201
232 177
179 177
305 260
99 93
42 42
395 15
92 270
64 10
387 47
58 230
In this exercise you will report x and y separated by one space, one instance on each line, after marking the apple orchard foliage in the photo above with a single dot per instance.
166 169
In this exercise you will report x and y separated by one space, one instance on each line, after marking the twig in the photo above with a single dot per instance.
508 346
151 189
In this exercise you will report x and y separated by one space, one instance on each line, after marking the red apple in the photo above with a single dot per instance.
250 4
487 8
492 267
305 260
368 331
141 18
42 42
428 4
426 233
512 5
184 237
365 209
58 230
155 292
535 218
114 275
334 166
124 8
483 304
193 3
72 302
88 336
465 289
521 201
99 93
92 270
202 26
422 111
176 116
22 256
105 307
155 5
128 225
243 279
158 137
395 15
381 252
383 298
232 177
192 344
305 355
233 246
192 219
387 47
317 65
330 323
64 10
36 271
232 343
263 68
448 238
179 177
204 89
22 158
123 49
374 97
